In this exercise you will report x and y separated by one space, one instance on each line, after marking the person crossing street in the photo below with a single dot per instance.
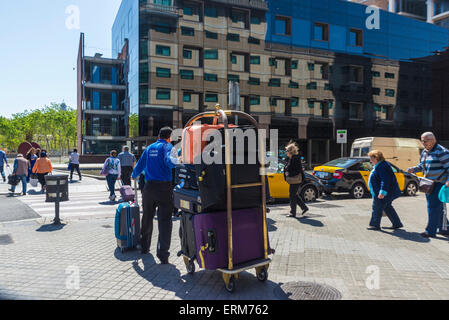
3 161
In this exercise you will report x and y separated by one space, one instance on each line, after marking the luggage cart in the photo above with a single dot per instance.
231 273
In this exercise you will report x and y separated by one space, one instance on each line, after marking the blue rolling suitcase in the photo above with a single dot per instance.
127 225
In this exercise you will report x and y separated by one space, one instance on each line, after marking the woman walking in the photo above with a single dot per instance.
31 157
385 189
42 167
294 175
112 171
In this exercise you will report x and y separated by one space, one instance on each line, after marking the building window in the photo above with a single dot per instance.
273 102
163 94
163 72
187 31
163 51
356 37
254 81
388 111
311 104
211 35
311 66
255 20
233 37
294 101
211 97
356 111
376 91
253 40
389 92
254 59
188 11
143 73
321 31
272 62
283 26
143 50
233 78
233 59
187 54
254 100
211 54
210 12
162 27
274 82
311 86
355 74
389 75
294 64
327 86
143 95
293 85
163 2
376 74
210 77
187 97
186 74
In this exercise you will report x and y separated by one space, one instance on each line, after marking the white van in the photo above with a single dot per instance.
402 152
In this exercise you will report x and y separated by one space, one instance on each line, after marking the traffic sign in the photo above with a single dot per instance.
342 136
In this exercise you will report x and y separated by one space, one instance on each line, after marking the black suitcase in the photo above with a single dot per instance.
186 176
188 200
187 236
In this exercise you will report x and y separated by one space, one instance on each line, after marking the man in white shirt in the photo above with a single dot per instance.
75 164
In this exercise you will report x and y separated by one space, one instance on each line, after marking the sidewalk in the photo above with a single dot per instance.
330 246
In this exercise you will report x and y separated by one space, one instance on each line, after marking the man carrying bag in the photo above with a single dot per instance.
435 165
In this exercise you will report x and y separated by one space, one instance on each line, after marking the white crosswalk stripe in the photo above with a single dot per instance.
79 205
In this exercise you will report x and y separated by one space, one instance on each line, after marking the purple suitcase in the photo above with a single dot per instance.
127 193
211 235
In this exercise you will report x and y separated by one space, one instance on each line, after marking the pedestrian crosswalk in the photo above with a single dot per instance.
79 205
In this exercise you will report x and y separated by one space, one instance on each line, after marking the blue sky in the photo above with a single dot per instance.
38 52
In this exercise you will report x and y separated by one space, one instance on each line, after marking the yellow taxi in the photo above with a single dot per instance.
352 174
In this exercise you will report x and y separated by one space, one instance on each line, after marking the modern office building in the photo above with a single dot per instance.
431 11
103 111
306 68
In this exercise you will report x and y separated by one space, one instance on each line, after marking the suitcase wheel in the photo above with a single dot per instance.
229 284
191 267
262 274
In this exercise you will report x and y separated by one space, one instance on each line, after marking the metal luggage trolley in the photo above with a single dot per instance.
230 274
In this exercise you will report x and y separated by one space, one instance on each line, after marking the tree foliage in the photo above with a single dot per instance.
53 127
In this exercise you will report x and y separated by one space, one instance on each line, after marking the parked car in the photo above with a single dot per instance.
310 189
352 174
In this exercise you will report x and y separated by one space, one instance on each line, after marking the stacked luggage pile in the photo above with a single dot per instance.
223 212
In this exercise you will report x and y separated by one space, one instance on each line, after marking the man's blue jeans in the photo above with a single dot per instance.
380 206
23 178
434 210
2 171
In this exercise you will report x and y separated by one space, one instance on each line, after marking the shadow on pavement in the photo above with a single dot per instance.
311 222
51 227
131 255
405 235
271 225
34 192
203 285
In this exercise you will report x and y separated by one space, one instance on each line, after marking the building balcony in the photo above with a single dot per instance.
159 9
253 4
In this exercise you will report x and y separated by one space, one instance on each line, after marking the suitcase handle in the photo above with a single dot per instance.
211 240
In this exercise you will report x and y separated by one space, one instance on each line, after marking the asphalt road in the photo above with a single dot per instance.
11 209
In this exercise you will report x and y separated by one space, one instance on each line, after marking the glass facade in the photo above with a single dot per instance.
398 37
